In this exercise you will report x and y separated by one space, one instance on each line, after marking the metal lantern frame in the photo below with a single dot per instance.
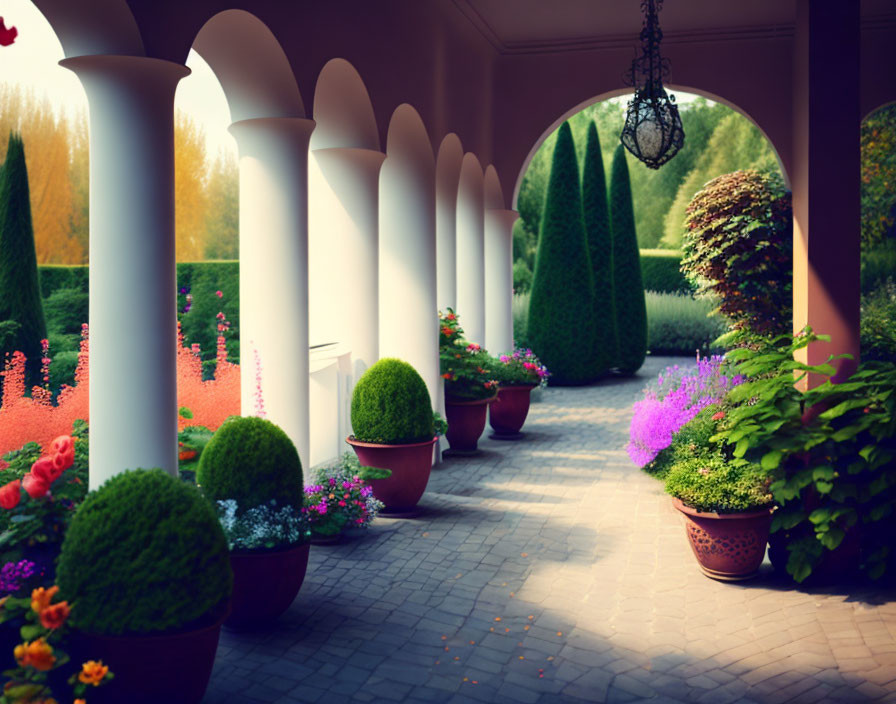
652 130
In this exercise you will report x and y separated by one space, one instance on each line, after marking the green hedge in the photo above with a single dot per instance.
660 271
201 279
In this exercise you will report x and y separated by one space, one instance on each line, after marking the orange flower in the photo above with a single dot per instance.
41 598
80 701
93 672
185 455
54 616
37 654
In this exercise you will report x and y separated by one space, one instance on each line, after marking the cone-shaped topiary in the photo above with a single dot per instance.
251 461
391 406
562 301
143 554
600 249
628 290
20 299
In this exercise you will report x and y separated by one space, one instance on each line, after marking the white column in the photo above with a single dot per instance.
446 251
274 270
344 250
471 259
133 383
409 327
499 280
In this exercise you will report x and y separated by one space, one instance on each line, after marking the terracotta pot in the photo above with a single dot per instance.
728 546
410 465
508 413
466 421
170 667
265 584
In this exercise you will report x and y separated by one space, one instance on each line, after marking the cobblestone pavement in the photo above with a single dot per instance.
552 570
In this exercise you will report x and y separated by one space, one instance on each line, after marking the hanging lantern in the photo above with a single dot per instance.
652 131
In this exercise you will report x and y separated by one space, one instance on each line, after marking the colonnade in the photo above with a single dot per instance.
371 271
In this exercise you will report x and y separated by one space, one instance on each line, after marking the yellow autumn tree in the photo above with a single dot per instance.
79 175
48 157
190 195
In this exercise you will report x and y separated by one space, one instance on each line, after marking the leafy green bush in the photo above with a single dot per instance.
391 405
739 247
520 309
66 309
679 324
62 370
202 281
55 276
878 266
833 465
628 290
712 484
144 554
661 271
562 301
522 277
878 323
251 461
691 441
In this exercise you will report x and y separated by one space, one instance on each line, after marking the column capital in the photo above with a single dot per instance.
289 127
503 215
140 72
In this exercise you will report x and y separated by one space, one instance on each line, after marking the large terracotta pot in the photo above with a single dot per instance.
728 546
174 668
265 584
410 465
466 421
508 413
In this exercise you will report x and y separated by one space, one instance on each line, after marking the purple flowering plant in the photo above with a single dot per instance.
676 397
14 576
340 498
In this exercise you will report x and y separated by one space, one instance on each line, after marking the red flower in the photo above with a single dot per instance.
447 375
718 416
45 469
63 444
10 494
35 486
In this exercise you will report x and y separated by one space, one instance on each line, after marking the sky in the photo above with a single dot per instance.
32 61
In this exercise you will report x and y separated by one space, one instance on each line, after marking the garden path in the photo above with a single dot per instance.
552 570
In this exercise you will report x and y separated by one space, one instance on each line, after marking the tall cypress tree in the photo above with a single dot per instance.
20 300
562 301
600 249
628 290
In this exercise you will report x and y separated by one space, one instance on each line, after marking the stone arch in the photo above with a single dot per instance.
99 27
492 191
779 153
342 109
448 164
407 259
471 249
250 64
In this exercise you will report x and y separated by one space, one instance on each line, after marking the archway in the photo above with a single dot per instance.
272 133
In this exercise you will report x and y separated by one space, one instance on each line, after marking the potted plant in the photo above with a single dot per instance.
340 501
392 420
830 452
727 509
517 374
251 470
469 386
144 565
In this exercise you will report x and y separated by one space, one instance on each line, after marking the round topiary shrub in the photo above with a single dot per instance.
144 554
251 461
391 406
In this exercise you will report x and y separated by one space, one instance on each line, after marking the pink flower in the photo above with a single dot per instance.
219 294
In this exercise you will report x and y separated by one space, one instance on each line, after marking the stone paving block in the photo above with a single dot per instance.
638 619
